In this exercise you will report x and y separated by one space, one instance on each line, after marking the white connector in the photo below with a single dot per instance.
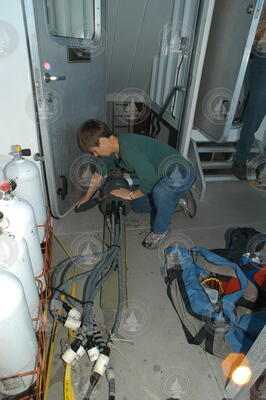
93 354
75 314
69 356
72 323
74 352
101 364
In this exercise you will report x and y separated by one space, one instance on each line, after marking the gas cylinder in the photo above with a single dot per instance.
2 175
15 258
26 174
18 344
22 223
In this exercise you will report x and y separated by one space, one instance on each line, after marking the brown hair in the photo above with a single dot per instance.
90 132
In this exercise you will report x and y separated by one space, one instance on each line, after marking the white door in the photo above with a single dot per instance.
67 48
230 42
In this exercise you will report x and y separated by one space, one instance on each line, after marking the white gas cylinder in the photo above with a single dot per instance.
22 222
2 175
15 258
26 174
18 344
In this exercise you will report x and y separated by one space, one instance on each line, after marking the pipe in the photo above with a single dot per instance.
173 59
162 64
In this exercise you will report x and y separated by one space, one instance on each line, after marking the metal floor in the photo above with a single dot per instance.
157 363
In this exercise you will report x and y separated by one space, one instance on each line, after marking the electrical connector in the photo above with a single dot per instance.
98 370
101 364
74 313
73 320
92 350
72 323
74 352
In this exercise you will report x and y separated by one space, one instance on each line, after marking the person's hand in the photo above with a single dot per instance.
94 185
122 193
84 199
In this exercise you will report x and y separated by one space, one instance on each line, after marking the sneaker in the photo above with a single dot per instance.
153 240
240 170
187 204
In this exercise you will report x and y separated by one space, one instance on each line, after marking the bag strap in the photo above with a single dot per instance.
242 302
200 336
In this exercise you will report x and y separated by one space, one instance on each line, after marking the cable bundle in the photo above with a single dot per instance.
77 314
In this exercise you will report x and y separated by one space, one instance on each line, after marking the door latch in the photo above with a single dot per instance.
62 191
250 9
48 78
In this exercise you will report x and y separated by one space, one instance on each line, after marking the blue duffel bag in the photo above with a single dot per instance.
213 299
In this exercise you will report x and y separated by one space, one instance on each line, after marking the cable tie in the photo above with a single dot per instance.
69 295
115 245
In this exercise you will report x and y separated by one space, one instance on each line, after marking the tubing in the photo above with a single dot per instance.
93 281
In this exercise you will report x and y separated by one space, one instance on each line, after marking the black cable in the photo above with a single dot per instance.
173 91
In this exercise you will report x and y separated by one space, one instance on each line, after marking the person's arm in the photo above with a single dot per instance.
144 170
127 194
95 183
103 166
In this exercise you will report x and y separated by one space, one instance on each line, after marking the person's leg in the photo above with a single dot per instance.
141 205
166 194
255 109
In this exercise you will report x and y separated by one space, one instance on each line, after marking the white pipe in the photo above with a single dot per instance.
190 11
191 8
154 76
172 53
196 74
162 66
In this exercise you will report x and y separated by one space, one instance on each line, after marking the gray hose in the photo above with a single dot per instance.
121 300
95 282
110 376
65 285
94 279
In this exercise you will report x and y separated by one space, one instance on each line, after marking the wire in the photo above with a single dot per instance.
173 92
93 279
172 108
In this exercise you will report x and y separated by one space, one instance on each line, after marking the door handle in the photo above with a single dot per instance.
250 9
63 191
48 78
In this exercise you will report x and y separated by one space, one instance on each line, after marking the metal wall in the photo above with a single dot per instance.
134 30
16 99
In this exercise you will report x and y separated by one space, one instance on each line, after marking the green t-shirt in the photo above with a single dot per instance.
144 156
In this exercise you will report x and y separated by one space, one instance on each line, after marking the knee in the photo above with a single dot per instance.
159 194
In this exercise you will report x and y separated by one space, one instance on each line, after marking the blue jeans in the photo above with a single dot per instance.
163 199
255 108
